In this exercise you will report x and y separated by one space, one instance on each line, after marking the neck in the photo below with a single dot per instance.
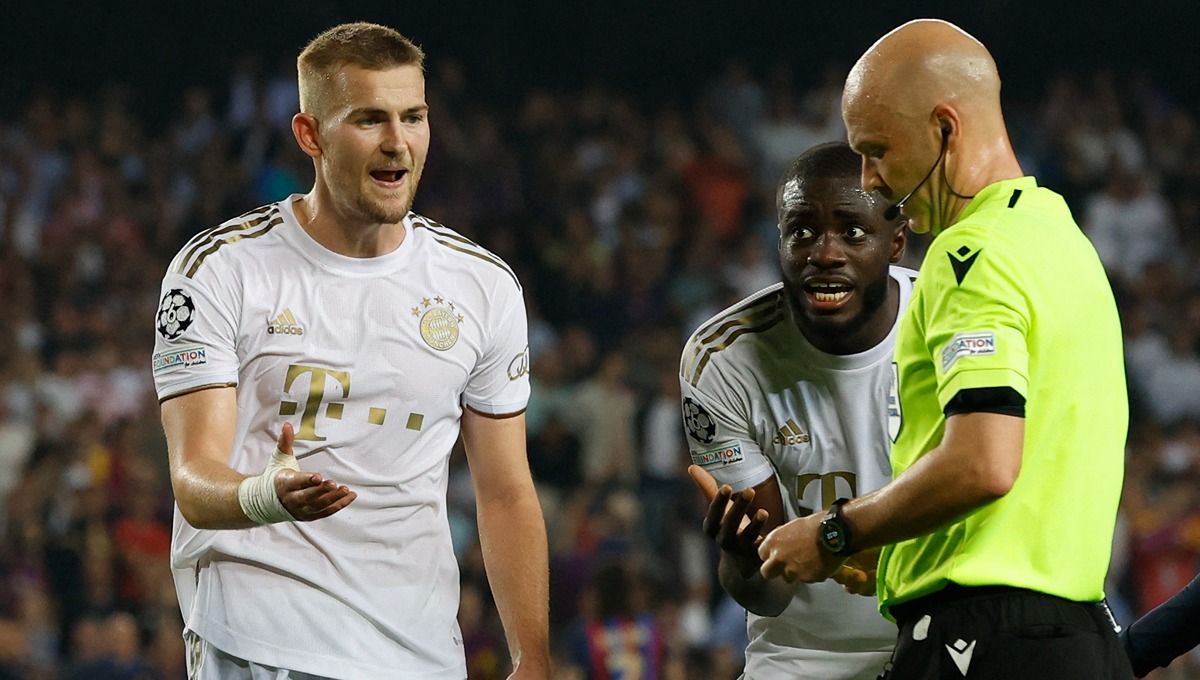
320 219
989 163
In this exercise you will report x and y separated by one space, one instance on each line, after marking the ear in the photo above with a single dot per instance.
899 241
948 122
306 129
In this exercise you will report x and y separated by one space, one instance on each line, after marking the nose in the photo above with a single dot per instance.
394 139
827 252
871 179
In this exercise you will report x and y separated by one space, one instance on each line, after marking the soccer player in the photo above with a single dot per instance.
789 396
998 525
316 359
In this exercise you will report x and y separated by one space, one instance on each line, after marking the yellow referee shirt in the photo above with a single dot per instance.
1013 295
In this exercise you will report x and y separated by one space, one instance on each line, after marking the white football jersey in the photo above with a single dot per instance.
760 400
372 361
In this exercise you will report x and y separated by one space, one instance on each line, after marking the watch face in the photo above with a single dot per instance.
832 536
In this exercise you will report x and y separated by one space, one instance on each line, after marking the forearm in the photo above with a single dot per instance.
748 588
1156 639
207 494
512 533
935 491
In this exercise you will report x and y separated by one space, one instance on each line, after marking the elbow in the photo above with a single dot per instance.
996 477
191 511
190 507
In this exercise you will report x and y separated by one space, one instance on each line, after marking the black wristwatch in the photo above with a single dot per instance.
835 532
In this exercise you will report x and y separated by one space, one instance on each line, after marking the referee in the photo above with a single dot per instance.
997 526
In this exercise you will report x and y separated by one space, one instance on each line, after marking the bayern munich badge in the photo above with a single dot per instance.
439 322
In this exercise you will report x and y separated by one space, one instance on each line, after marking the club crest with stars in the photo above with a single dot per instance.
439 322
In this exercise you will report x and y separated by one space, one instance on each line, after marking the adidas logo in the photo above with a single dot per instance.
285 324
791 434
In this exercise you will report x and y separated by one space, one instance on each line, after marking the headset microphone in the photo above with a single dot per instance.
893 211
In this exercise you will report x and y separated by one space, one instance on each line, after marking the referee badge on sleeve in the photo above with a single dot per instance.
968 345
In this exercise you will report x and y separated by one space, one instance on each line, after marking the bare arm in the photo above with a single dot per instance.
976 463
512 533
200 430
737 522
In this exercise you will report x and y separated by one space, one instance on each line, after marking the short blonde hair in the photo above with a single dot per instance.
368 45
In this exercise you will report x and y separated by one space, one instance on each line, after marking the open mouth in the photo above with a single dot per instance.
827 295
389 177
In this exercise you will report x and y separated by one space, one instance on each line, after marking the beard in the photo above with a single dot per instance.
387 212
361 200
873 297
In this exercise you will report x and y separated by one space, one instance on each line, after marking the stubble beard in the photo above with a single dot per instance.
383 211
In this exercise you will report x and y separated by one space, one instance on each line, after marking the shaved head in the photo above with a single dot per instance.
921 64
924 102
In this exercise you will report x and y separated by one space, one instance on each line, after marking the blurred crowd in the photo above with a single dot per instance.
630 219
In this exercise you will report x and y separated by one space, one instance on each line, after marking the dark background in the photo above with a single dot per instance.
665 49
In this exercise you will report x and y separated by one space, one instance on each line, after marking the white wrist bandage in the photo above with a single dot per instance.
257 494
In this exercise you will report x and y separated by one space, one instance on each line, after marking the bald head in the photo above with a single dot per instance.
921 64
922 108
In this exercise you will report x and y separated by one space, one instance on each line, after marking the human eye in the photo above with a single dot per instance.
856 233
799 232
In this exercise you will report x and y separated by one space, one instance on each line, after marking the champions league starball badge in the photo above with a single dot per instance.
175 314
700 425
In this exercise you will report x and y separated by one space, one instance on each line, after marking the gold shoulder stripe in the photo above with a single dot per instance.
754 317
244 217
207 237
753 311
233 239
770 323
479 254
206 234
768 304
445 232
764 301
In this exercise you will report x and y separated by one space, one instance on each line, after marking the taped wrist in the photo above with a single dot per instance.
257 494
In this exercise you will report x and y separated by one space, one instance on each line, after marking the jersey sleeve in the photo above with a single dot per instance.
976 316
499 384
719 435
195 338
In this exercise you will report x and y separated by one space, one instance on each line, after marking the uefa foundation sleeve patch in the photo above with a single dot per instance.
968 345
174 359
719 457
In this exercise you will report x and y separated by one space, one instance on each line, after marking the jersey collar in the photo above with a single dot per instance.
995 193
350 266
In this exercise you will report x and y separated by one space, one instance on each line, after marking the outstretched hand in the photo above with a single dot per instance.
731 521
307 495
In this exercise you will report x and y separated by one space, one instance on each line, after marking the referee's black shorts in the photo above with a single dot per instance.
1001 633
